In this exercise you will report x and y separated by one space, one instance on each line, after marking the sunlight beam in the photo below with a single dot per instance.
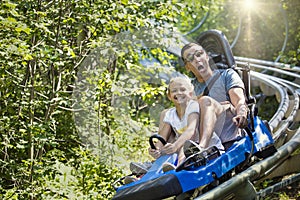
249 4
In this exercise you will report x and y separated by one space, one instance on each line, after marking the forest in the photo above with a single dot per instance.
83 82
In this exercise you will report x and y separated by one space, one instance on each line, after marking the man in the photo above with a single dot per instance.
223 109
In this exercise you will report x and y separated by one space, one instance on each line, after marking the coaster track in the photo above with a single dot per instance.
283 81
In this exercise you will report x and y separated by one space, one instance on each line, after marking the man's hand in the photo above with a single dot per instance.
240 121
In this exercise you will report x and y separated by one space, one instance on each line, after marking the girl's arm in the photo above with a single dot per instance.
193 124
165 131
193 121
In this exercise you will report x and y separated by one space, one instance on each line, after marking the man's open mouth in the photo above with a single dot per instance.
200 67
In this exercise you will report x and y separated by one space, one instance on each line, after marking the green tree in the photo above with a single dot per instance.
45 46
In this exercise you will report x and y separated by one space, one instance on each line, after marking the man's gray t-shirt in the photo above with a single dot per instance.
228 79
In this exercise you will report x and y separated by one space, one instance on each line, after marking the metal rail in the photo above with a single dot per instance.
241 185
271 65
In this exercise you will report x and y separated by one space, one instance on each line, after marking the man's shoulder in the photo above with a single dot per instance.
225 71
228 73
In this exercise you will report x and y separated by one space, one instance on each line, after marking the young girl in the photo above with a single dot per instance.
179 123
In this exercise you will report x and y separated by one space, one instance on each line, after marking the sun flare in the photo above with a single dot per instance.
249 4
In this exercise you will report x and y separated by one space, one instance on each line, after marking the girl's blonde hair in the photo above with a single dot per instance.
182 79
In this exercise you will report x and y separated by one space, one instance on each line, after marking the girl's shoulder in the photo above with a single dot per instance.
193 105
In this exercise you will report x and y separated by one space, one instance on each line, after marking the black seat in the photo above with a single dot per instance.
217 46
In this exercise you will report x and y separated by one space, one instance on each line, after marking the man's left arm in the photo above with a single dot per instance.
238 100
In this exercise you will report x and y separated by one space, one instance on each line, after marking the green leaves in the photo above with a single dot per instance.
74 98
23 29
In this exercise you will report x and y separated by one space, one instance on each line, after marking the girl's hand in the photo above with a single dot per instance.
155 153
169 148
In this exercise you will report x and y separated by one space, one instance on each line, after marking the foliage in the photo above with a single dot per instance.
45 152
57 177
292 53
